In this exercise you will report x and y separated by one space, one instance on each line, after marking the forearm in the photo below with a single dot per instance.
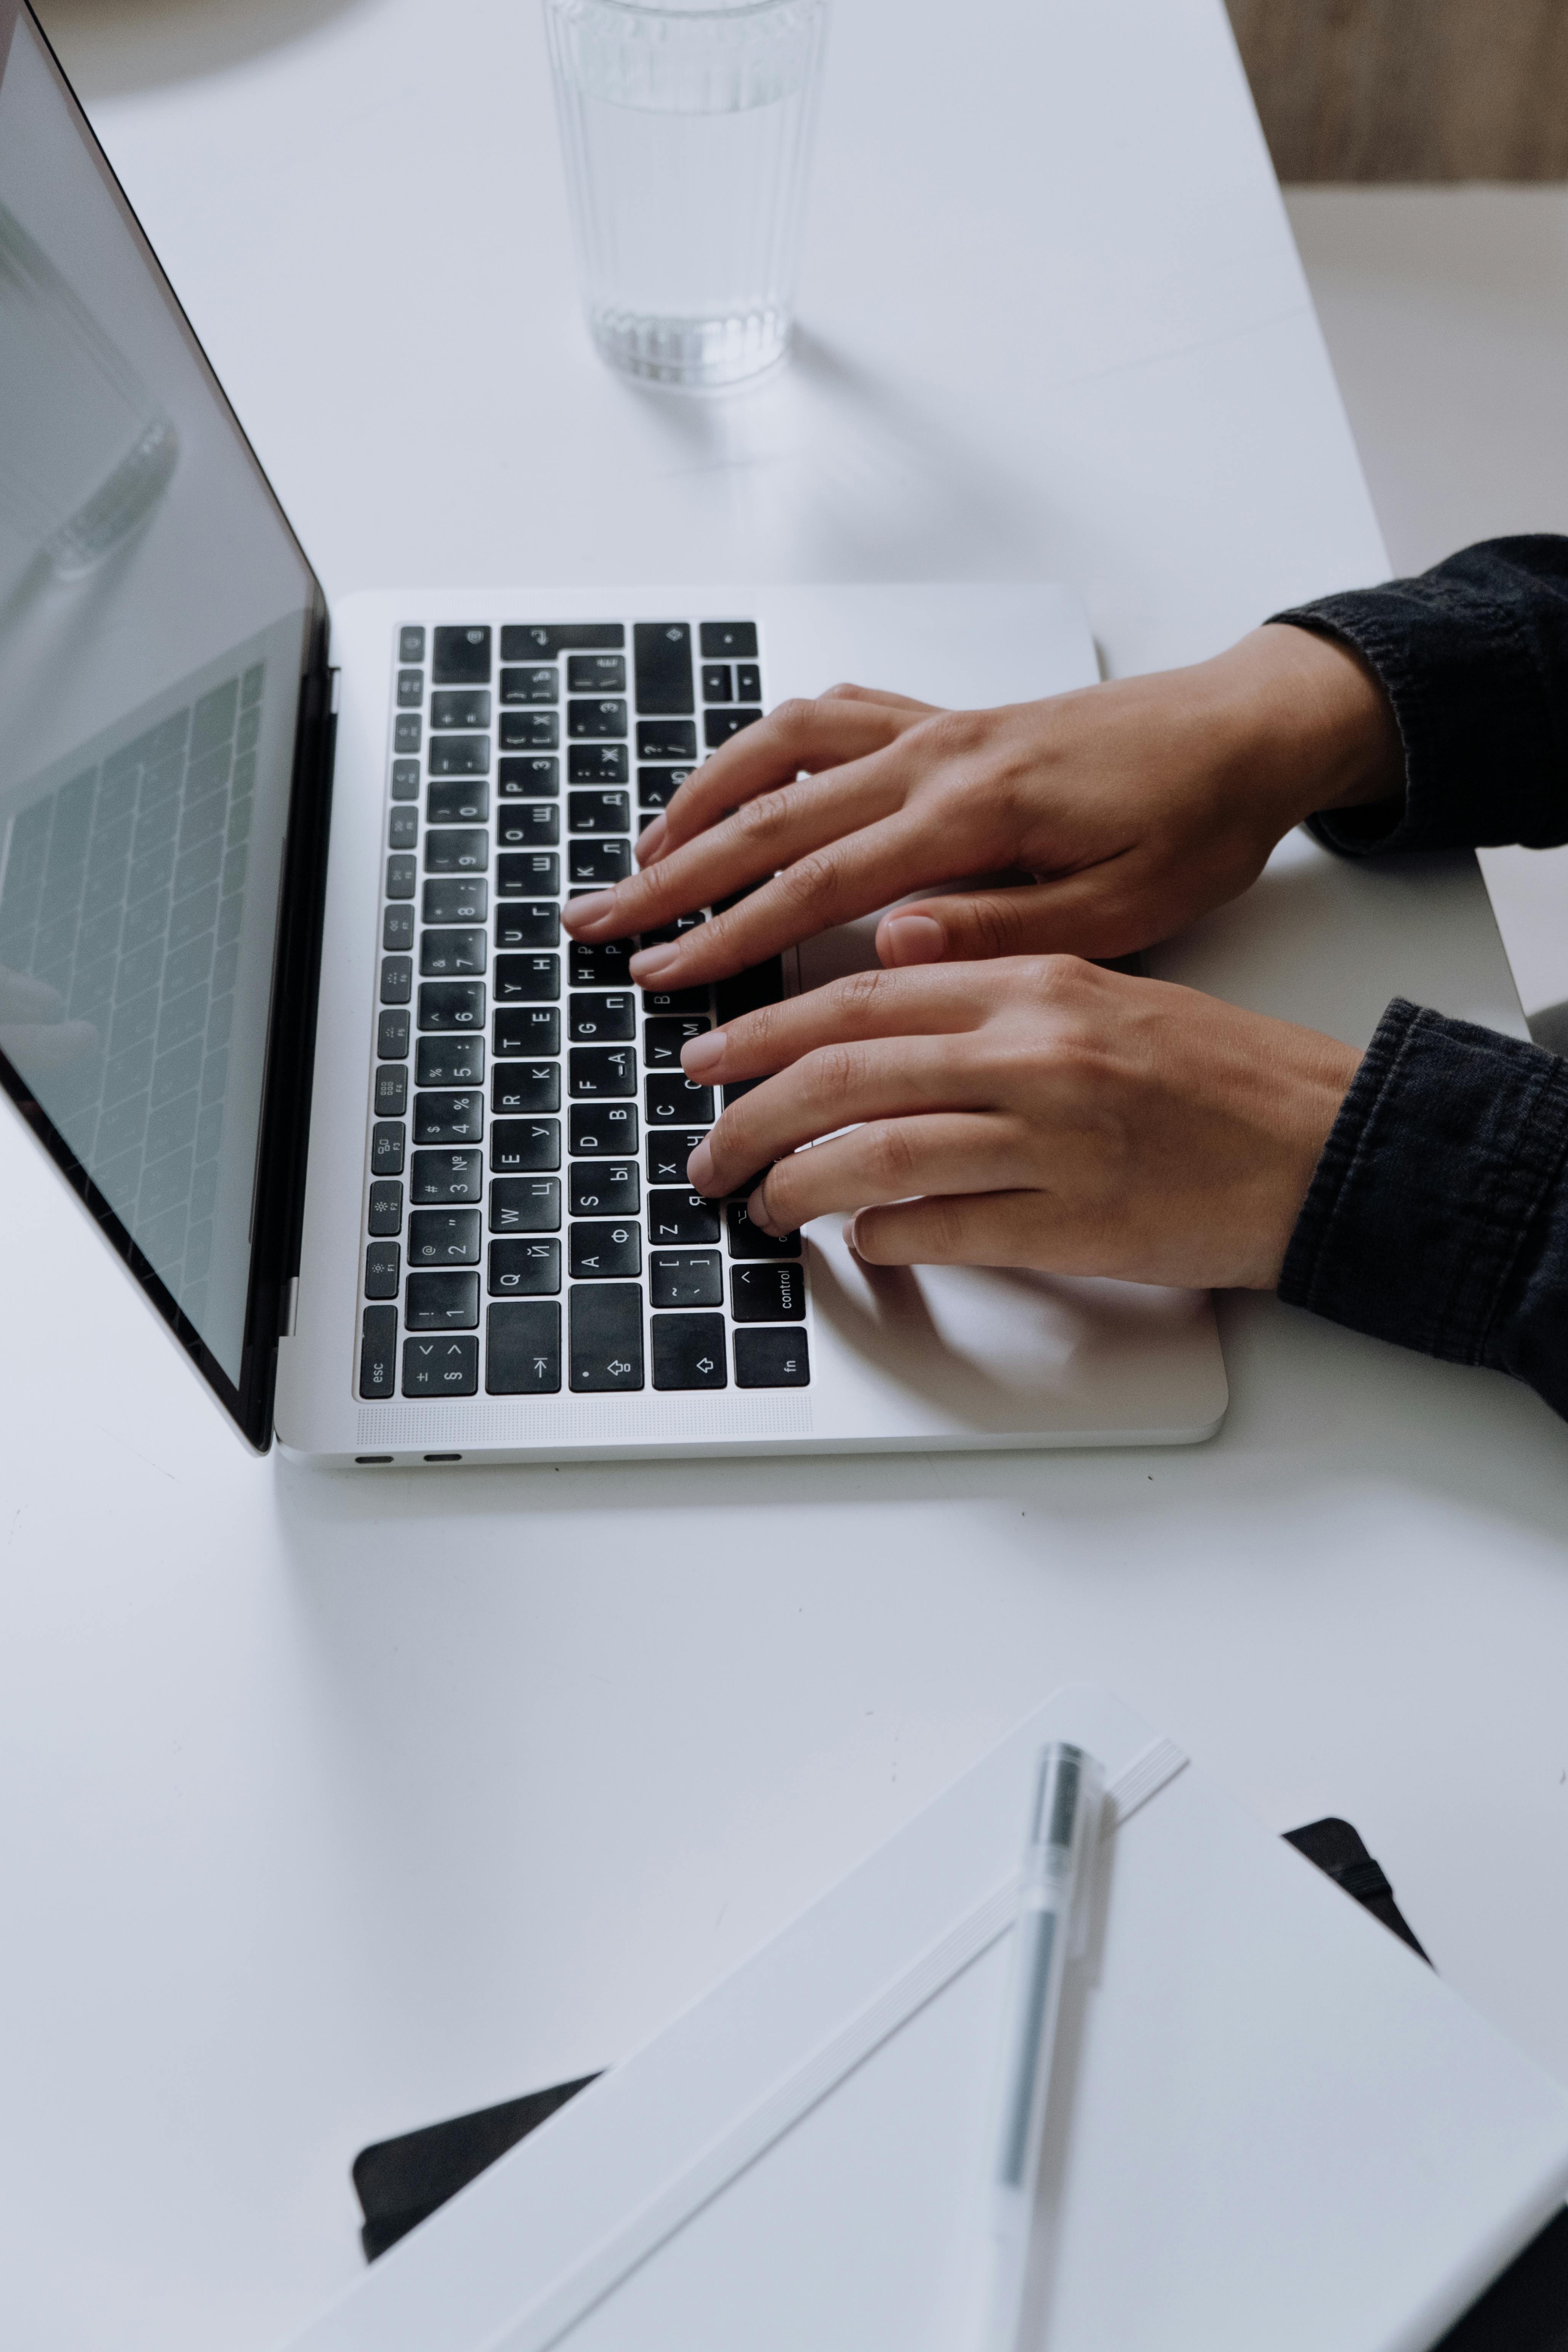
1439 1214
1473 659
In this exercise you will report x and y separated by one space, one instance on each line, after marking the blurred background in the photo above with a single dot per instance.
1423 149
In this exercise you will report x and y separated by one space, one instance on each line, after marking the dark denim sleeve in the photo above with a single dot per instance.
1474 658
1439 1213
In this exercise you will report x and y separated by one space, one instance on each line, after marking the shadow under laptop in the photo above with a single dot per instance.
110 48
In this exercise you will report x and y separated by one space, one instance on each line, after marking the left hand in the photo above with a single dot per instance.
1035 1111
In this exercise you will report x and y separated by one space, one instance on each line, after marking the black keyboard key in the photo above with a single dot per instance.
718 682
385 1209
524 1269
768 1294
605 1324
687 1278
391 1094
403 829
675 930
657 787
669 1151
449 1117
386 1142
597 674
603 1126
378 1352
745 992
526 1147
718 726
440 1367
747 683
526 1205
602 1020
531 925
523 1349
738 1088
397 927
667 739
530 685
442 1302
460 707
527 1030
405 779
662 1039
688 1351
676 1000
606 963
747 1240
441 1178
529 873
383 1270
528 731
596 722
391 1035
599 811
452 1004
525 779
674 1100
528 979
602 1070
458 800
597 764
607 1250
454 1060
530 826
443 1237
407 731
603 1188
454 955
411 644
681 1217
462 657
542 642
456 852
401 873
720 639
775 1359
460 755
519 1087
456 898
661 653
596 863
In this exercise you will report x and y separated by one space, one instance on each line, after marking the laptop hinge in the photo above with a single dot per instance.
335 677
289 1318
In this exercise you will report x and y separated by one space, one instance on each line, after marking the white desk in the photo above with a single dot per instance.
335 1804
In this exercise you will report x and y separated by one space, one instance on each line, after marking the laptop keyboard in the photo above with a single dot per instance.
529 1226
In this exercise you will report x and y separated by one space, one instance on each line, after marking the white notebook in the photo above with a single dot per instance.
1271 2124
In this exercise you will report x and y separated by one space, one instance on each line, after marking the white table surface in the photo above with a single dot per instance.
335 1804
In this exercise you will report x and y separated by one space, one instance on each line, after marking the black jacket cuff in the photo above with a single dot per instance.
1437 1216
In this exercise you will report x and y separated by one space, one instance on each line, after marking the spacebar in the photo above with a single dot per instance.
606 1321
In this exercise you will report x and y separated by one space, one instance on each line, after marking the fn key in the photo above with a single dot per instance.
605 1322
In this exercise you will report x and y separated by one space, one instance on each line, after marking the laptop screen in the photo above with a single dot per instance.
156 618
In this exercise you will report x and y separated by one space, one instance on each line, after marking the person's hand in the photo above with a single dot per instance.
1035 1111
35 1034
1134 806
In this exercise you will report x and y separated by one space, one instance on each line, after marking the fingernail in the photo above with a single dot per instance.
650 840
652 962
759 1215
910 939
699 1171
703 1052
578 914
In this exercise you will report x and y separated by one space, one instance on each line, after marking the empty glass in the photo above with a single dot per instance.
685 132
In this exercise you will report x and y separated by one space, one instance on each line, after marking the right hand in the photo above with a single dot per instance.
1133 807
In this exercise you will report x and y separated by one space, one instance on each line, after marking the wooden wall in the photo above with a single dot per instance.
1410 89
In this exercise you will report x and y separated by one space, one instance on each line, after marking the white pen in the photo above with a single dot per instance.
1054 1896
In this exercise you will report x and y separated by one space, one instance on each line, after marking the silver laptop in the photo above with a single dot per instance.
286 993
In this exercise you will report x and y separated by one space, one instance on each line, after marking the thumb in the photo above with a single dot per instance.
1037 918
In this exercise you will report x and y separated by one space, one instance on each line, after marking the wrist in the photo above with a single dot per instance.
1310 725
